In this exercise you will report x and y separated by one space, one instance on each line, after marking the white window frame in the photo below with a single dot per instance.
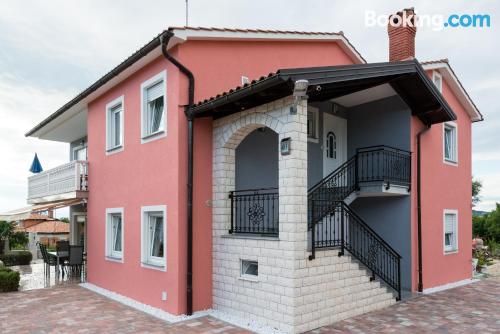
77 148
112 255
110 149
315 111
437 75
147 137
454 159
246 276
148 261
454 248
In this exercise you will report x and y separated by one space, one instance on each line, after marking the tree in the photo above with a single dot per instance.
6 232
477 185
64 220
488 226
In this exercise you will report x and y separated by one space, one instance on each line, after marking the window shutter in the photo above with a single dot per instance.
450 222
155 91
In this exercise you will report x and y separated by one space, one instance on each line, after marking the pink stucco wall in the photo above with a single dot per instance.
155 173
443 187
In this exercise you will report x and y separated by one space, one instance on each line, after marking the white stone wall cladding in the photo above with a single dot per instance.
291 294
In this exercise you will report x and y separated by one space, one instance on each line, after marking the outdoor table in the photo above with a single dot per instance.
59 256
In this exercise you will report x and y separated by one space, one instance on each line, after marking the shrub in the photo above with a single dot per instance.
16 258
9 280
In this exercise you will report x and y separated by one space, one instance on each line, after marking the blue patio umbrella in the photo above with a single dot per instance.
36 167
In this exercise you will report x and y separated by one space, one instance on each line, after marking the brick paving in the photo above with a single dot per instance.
474 308
72 309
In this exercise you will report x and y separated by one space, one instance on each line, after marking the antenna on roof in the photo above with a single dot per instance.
187 13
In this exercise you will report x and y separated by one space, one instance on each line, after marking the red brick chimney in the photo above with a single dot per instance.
402 30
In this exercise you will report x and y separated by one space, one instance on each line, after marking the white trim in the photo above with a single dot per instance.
109 107
449 286
314 110
455 148
205 34
455 231
452 81
162 76
437 75
244 323
107 243
145 262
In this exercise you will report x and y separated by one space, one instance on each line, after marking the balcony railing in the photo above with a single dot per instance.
68 178
255 211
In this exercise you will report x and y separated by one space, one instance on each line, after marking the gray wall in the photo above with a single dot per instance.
390 218
257 160
384 122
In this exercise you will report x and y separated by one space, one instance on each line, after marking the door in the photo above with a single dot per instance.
79 231
80 153
334 142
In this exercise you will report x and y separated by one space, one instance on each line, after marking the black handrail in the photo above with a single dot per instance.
255 211
334 224
343 228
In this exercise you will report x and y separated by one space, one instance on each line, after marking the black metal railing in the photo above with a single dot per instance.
334 187
343 228
332 223
384 164
255 211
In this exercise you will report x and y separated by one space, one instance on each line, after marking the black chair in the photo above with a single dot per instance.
47 259
74 262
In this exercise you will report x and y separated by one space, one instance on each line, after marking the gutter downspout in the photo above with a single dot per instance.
419 208
164 38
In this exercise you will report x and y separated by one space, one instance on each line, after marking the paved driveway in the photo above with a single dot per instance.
474 308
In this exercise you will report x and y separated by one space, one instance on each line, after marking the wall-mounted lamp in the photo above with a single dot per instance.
285 146
299 93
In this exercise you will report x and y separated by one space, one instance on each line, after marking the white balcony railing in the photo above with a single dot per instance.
68 178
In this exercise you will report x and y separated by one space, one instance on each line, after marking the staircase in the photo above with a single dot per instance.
333 223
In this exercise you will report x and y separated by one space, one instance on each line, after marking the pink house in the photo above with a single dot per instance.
325 188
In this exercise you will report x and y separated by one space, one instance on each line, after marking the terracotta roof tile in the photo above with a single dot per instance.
52 226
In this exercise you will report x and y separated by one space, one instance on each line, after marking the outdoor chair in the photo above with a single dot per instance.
48 261
74 262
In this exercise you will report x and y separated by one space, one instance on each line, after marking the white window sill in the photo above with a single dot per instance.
449 252
248 278
153 266
114 259
153 136
114 150
451 162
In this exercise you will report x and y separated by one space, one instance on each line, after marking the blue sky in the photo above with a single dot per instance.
51 50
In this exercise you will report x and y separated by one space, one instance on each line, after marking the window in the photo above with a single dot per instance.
153 108
80 153
437 78
249 269
450 231
312 124
114 124
331 145
154 236
450 143
114 234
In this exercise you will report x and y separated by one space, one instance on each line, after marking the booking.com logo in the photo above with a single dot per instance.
436 21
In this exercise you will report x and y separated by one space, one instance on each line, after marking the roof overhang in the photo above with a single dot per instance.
407 78
444 68
60 126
